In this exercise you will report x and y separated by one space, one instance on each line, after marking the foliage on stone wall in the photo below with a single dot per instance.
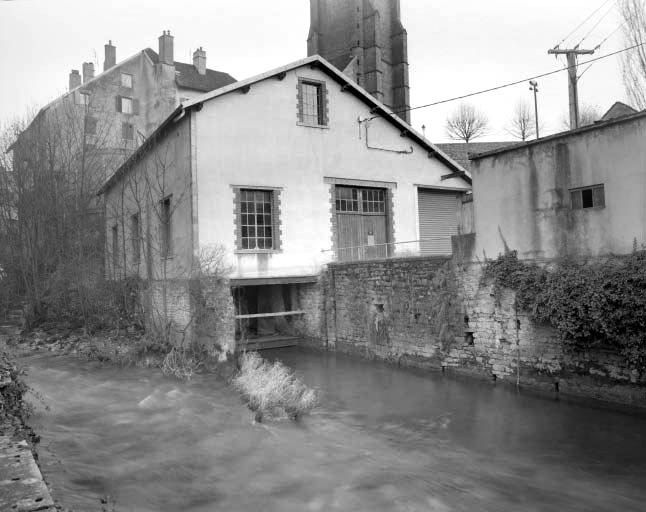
598 304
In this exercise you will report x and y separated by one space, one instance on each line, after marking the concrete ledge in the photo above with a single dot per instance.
22 487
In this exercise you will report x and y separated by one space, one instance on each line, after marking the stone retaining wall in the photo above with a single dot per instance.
434 313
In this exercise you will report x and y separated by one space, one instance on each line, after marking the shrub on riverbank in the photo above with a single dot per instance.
272 388
14 408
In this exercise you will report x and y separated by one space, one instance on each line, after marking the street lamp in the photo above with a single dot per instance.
533 86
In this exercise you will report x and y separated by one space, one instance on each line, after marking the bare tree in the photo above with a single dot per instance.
633 15
522 124
466 123
52 165
588 114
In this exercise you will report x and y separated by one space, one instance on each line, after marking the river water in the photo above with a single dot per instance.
384 438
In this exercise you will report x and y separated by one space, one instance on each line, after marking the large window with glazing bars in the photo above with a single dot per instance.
257 220
360 200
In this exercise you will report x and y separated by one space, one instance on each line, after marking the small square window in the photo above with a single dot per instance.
84 98
126 80
588 197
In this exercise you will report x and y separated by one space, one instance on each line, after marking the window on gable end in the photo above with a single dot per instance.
312 103
126 80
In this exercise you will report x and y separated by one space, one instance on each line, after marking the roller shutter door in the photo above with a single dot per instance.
438 221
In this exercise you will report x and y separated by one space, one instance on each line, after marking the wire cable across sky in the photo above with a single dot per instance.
509 84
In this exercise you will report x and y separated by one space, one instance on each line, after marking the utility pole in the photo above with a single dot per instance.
571 55
533 86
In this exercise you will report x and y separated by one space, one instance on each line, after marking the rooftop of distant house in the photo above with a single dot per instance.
187 76
618 113
460 151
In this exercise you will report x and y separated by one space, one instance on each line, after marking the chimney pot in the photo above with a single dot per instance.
166 48
75 79
110 56
88 71
199 61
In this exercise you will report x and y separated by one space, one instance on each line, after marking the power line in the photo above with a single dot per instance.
599 45
596 24
491 89
610 35
582 23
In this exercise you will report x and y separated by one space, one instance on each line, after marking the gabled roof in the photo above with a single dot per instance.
460 151
187 77
618 109
315 61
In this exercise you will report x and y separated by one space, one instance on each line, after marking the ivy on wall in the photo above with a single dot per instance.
599 304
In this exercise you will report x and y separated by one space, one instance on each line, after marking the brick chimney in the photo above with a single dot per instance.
110 56
166 48
75 79
88 71
199 61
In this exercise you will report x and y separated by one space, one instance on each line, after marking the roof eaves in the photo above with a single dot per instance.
560 135
406 129
139 151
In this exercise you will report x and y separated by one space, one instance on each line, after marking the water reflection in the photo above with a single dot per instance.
383 439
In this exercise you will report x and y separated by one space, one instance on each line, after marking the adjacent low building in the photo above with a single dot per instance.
279 175
572 194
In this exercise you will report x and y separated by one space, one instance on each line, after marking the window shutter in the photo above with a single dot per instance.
118 103
598 197
577 202
135 106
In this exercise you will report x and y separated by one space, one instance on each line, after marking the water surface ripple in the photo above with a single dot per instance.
384 439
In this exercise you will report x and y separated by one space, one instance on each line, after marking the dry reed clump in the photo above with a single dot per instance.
270 388
181 363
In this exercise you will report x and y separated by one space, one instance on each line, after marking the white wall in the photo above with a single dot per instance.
253 139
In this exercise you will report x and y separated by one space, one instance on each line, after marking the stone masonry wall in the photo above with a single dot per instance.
169 311
311 299
215 315
399 309
193 310
434 313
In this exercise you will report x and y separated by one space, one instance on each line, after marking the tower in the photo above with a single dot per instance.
367 41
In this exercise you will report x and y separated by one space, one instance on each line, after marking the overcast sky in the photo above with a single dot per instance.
454 47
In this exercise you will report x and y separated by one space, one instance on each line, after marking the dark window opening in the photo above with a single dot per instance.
166 234
135 237
588 197
115 246
127 131
90 125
